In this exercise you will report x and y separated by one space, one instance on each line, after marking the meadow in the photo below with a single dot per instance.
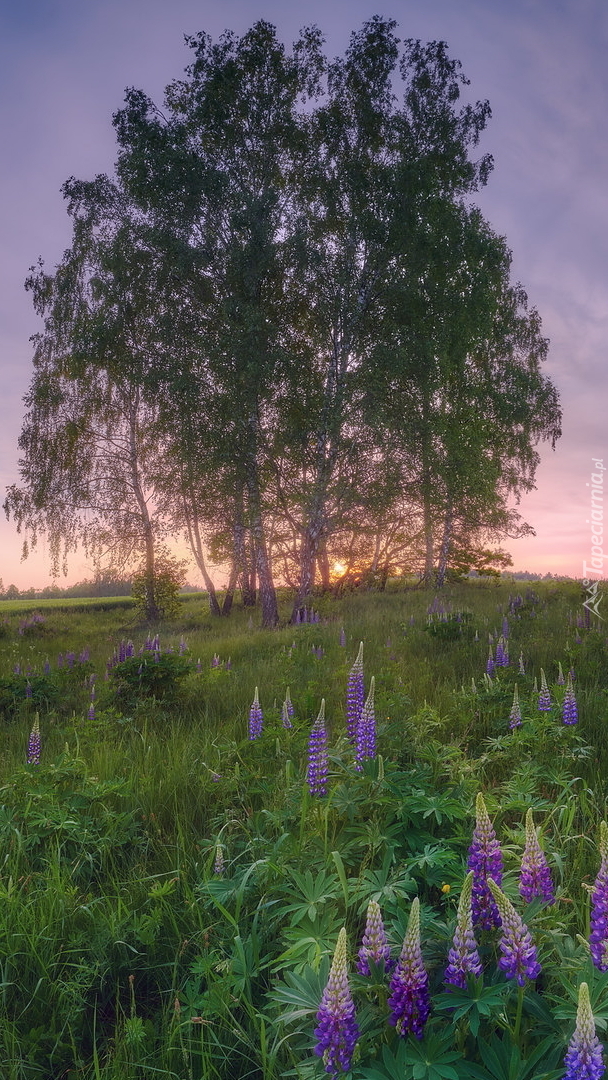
175 873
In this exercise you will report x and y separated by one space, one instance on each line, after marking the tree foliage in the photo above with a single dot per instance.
289 302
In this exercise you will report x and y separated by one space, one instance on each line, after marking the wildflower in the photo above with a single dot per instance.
218 862
316 773
337 1030
287 724
290 709
366 730
409 1000
522 669
598 938
584 1060
33 745
256 717
535 875
560 675
485 860
544 698
490 663
519 960
463 957
515 714
354 696
569 707
91 712
505 627
343 638
374 945
502 653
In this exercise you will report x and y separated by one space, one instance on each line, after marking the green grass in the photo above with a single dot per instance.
125 955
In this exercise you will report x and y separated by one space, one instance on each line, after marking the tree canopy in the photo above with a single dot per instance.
288 305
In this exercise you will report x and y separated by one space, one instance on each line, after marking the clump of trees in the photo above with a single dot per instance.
284 330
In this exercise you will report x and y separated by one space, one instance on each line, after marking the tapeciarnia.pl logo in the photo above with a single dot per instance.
594 595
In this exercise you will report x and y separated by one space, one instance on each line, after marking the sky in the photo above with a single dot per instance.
64 67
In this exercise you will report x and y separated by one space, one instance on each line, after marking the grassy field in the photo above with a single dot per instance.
171 891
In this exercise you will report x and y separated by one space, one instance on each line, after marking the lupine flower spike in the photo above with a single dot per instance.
598 938
218 863
288 703
285 719
584 1060
366 731
354 696
463 957
409 999
569 707
256 717
485 860
519 960
33 745
337 1030
515 714
560 676
490 663
316 773
522 669
374 945
535 875
544 698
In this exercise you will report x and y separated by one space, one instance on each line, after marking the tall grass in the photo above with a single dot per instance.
125 954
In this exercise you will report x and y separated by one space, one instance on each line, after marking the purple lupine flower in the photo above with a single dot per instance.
584 1059
505 627
228 664
463 957
485 860
33 745
569 706
535 875
374 945
409 999
355 696
218 862
544 698
515 714
490 663
285 718
91 712
318 765
183 647
289 705
501 659
519 960
47 667
256 717
337 1030
365 738
598 938
28 689
215 661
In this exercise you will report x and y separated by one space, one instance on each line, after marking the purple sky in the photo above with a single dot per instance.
64 66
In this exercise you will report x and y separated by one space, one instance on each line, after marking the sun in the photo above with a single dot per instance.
339 568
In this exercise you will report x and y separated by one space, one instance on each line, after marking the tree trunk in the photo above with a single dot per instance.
268 595
152 611
230 587
196 547
446 546
323 565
